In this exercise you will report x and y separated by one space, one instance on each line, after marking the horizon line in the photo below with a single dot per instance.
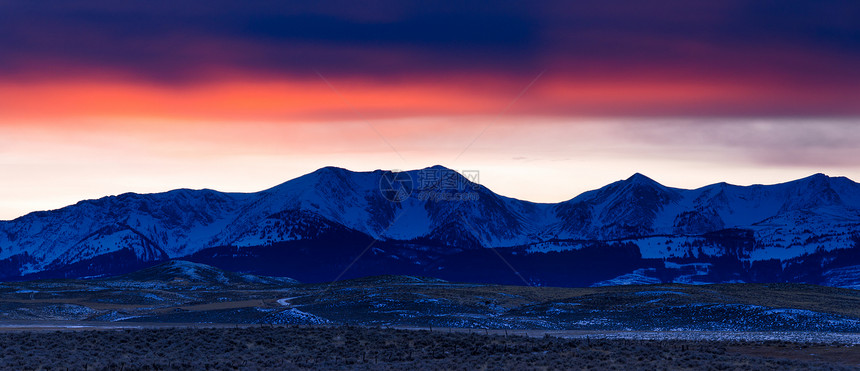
629 178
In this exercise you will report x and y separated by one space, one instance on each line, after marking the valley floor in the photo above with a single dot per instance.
351 347
184 315
401 301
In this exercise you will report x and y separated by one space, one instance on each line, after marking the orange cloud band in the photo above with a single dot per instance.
315 100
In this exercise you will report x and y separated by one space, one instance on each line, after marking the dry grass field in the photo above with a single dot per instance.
193 293
294 347
188 316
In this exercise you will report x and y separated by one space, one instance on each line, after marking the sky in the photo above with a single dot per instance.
545 99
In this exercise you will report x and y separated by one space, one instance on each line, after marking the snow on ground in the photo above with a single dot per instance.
681 334
294 316
286 301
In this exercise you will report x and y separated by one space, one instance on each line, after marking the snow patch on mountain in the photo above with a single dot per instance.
642 276
785 221
847 277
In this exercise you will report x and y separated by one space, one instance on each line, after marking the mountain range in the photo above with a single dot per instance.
335 223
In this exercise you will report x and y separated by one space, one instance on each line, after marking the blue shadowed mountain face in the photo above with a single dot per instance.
334 223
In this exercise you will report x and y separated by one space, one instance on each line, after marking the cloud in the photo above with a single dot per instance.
820 143
560 158
170 42
626 58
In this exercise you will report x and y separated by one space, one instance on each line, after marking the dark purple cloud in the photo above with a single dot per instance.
795 45
173 41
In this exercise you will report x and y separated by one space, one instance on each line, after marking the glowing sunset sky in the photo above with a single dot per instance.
546 100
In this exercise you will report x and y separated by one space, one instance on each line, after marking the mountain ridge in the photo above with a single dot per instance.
445 212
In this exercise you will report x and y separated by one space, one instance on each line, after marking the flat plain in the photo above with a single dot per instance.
183 315
348 347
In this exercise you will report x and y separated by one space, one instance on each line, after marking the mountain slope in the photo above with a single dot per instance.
328 215
185 271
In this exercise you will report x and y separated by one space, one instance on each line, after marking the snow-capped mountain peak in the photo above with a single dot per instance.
435 207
